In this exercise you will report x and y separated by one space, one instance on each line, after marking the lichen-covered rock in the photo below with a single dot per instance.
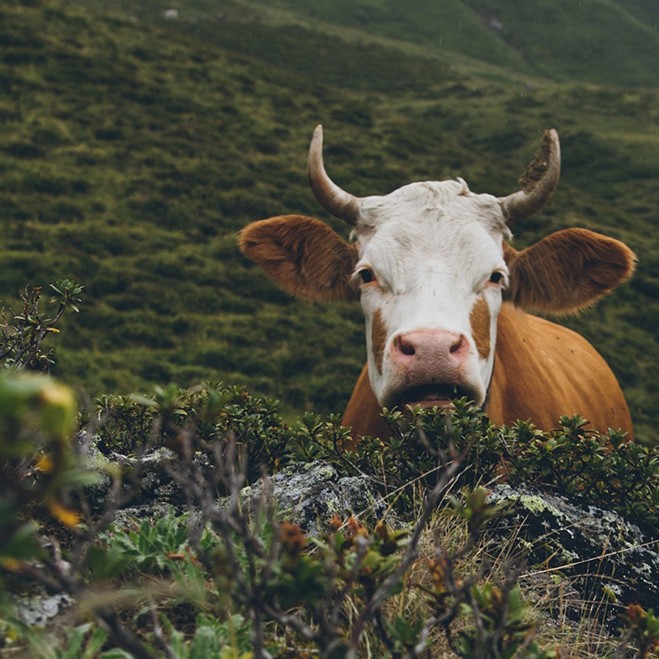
154 482
310 495
606 556
144 477
41 609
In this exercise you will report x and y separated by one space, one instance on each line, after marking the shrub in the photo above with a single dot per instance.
22 333
573 460
233 578
37 463
602 470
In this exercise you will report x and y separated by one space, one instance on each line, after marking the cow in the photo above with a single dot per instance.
446 297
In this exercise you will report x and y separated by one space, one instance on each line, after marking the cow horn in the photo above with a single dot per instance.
329 195
538 182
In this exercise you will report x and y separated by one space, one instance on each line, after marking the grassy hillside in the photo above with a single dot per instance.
643 11
597 41
134 148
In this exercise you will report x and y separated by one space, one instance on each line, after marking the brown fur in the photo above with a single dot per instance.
303 255
480 327
362 415
543 370
567 271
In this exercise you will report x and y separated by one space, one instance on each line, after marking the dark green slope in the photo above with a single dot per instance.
591 40
128 161
132 149
645 11
613 43
451 25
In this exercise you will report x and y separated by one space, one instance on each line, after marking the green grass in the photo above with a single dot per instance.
591 41
447 26
600 41
133 149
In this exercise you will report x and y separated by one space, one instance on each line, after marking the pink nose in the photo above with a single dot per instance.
430 354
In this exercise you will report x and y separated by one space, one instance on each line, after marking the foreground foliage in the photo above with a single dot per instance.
227 579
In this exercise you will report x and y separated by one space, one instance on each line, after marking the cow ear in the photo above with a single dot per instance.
303 255
567 271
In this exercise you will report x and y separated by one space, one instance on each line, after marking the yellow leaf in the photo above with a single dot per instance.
44 464
65 515
10 563
58 410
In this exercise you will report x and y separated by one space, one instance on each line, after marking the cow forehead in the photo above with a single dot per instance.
429 202
427 228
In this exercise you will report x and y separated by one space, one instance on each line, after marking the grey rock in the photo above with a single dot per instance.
155 483
606 556
40 609
144 475
310 495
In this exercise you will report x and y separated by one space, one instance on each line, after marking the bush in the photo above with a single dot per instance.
234 578
23 333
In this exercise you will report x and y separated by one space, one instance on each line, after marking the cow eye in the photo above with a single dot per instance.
366 275
496 277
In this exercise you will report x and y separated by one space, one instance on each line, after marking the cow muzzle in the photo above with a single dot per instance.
431 368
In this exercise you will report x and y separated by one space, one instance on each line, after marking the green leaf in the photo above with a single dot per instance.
205 644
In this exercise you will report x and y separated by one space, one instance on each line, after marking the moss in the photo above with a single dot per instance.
538 506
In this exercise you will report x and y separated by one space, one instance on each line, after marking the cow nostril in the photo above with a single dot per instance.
404 346
458 344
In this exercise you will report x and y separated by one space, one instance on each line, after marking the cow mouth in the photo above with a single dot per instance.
433 395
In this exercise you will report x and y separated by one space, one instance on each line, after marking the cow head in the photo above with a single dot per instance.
431 265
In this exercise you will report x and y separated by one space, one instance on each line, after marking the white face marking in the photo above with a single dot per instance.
427 252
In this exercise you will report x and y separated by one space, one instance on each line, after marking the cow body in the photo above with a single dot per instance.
444 296
541 371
